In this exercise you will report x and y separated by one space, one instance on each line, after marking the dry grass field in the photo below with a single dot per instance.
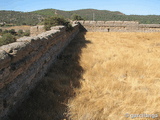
99 76
23 27
122 75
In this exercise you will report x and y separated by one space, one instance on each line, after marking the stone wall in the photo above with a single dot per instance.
24 62
105 26
119 26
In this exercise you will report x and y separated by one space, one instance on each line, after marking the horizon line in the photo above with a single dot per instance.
77 10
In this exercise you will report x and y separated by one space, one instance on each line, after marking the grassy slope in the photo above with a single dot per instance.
83 12
20 18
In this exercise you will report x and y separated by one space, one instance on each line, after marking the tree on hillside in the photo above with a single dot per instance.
76 17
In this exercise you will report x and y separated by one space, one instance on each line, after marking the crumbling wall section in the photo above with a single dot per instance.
26 61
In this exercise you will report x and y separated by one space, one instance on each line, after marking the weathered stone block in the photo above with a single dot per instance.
86 22
17 50
61 27
4 73
100 22
81 21
4 58
93 22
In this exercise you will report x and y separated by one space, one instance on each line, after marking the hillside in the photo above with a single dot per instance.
34 17
20 18
85 13
103 15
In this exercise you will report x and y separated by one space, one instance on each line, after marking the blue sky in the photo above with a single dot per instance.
139 7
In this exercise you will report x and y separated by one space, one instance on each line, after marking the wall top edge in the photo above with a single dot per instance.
113 22
27 40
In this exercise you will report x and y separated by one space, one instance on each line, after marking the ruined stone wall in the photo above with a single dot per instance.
24 62
119 26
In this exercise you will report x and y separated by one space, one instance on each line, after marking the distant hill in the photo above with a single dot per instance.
103 15
20 18
33 18
86 13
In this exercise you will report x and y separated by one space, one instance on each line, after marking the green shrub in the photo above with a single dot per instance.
5 31
20 33
76 17
6 39
1 31
53 21
26 33
68 26
12 31
41 23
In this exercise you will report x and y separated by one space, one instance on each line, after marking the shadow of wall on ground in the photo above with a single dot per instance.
48 101
82 28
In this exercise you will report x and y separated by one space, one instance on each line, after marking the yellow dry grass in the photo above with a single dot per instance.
99 76
22 27
122 75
